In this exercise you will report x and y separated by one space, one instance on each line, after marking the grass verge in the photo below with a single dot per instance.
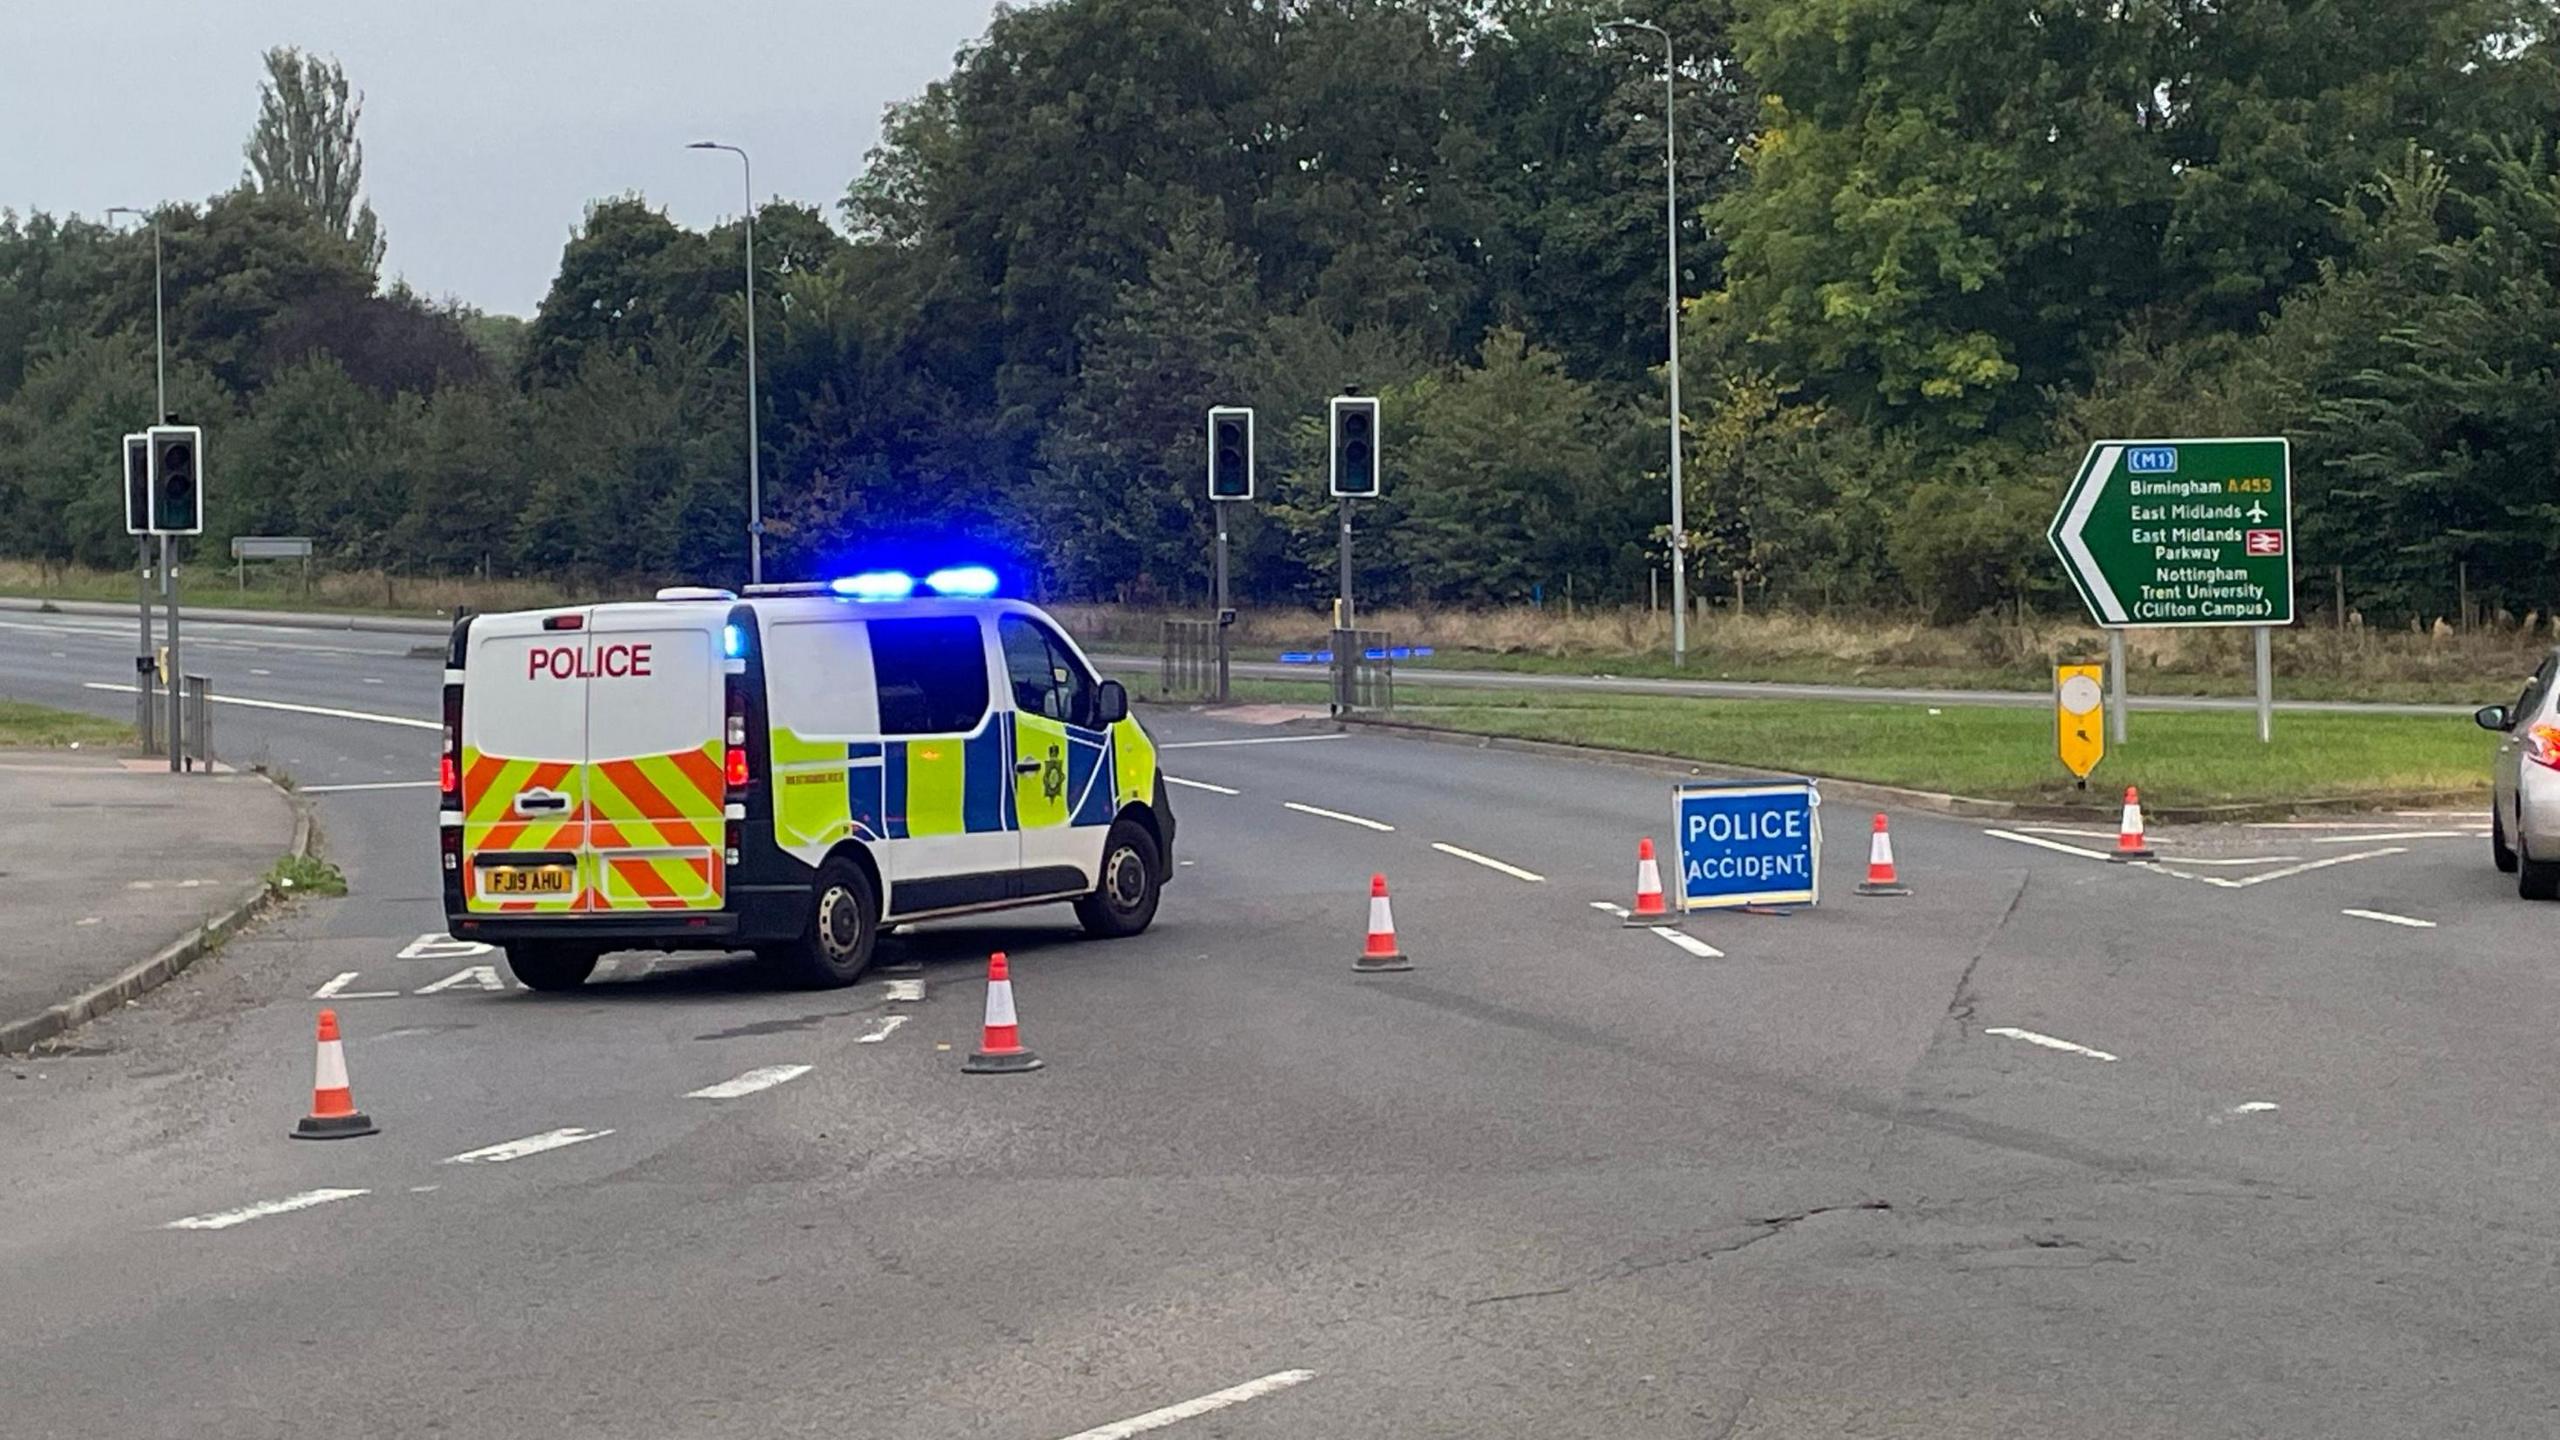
306 875
34 725
2179 760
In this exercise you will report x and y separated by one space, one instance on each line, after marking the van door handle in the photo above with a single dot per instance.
1026 767
541 802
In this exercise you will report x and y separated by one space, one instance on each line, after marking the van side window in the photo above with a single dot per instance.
1046 678
932 675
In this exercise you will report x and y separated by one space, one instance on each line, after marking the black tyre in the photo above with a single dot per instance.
844 924
1124 902
551 967
2501 854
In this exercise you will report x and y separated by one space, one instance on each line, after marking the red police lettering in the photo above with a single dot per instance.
568 662
618 661
560 662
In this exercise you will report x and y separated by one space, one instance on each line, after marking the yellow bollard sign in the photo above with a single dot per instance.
2079 717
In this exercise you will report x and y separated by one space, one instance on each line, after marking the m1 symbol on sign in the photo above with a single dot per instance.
2152 460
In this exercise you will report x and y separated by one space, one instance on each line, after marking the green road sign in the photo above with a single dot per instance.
2181 532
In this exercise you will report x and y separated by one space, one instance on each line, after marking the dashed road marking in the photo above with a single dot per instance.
1605 908
764 1077
887 1027
369 680
1200 785
1335 814
905 990
2048 1042
2253 1107
1255 740
2387 918
336 989
1688 942
1488 862
506 1150
225 1219
2042 843
1208 1404
322 710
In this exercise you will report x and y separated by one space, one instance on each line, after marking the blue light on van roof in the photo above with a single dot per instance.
876 585
974 582
733 641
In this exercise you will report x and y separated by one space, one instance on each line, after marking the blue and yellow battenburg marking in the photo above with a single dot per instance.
831 790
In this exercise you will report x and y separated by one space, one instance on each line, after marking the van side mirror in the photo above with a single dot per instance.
2490 717
1111 704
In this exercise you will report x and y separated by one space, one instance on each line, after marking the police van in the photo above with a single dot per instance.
786 769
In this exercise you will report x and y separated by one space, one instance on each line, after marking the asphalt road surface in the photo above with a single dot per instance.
2254 1143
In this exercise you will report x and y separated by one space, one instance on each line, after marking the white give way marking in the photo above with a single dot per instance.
1208 1404
2012 1032
225 1219
762 1078
530 1145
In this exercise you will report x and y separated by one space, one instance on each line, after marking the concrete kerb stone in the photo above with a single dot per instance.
24 1034
1867 792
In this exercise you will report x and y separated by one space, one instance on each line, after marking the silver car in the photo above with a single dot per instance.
2524 787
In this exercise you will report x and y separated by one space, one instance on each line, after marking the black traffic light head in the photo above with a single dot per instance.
137 484
177 479
1230 452
1355 444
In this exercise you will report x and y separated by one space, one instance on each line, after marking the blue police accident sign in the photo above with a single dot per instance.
1748 842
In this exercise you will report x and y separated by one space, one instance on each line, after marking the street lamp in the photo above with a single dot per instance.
755 474
1671 251
142 543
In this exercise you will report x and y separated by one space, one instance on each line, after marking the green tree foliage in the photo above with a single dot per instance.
304 146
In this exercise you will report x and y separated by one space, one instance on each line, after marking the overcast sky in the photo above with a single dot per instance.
488 124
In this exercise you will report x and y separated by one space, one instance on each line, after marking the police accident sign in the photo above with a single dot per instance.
2181 532
1747 842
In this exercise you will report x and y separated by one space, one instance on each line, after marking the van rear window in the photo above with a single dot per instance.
932 675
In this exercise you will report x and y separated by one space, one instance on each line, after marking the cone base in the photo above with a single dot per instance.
992 1062
1380 964
2123 856
335 1127
1639 920
1870 887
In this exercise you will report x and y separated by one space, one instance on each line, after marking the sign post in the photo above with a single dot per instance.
1747 842
2183 533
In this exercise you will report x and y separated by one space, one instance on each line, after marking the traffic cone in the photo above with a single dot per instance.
1000 1051
1881 879
1649 907
2129 842
334 1115
1380 954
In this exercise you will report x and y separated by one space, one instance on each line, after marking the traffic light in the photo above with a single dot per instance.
1230 452
137 484
1355 444
177 479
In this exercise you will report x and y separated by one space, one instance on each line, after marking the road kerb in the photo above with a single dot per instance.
23 1034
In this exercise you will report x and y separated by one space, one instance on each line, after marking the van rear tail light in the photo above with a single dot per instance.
738 767
2542 746
449 764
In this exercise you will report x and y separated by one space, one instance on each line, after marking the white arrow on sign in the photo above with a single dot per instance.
2076 549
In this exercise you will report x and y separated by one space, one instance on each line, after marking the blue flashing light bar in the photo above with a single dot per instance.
876 585
733 641
970 582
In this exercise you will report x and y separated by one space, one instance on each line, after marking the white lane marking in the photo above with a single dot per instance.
337 989
1688 942
1488 862
255 671
2390 835
225 1219
763 1077
1605 908
2326 824
529 1145
369 680
481 977
2235 859
906 990
2014 1033
436 945
2310 865
2043 844
1200 785
2387 918
321 710
2253 1107
368 785
1334 815
2107 835
887 1027
1256 740
1207 1404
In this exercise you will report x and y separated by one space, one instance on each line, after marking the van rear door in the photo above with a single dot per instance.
654 785
523 770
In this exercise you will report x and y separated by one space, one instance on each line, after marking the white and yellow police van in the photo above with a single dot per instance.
785 770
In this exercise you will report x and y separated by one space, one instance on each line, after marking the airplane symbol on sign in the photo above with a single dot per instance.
2257 514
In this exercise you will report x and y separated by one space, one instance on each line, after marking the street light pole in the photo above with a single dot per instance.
142 543
755 474
1671 264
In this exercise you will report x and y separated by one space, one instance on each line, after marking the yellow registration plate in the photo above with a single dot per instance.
525 880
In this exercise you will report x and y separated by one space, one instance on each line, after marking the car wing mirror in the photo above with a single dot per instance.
1111 705
2490 717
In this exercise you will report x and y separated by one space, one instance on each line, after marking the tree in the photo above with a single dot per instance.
304 145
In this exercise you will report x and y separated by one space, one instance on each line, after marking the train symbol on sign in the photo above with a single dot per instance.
2152 459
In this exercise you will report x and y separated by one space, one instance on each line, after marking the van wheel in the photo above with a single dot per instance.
1124 903
551 967
844 922
2501 854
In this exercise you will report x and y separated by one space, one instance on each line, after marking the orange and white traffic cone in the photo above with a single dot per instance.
334 1115
1650 909
1881 879
1000 1050
1380 954
2129 842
